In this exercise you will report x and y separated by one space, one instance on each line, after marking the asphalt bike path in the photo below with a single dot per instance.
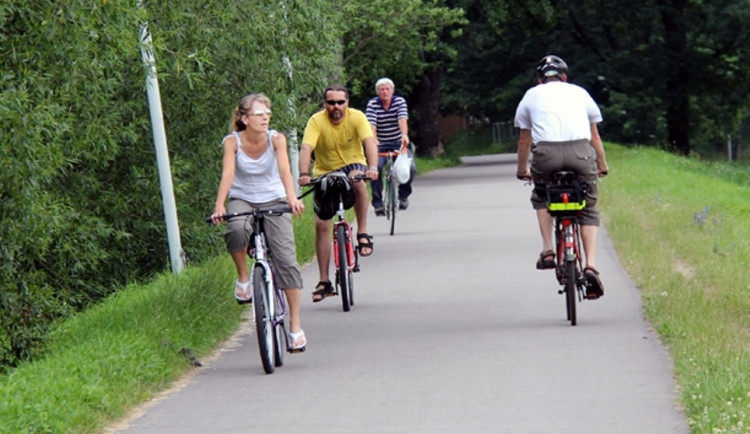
453 330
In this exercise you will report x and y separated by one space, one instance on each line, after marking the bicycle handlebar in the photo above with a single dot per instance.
389 153
353 178
271 211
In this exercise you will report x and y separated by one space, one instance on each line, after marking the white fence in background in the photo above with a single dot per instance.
504 132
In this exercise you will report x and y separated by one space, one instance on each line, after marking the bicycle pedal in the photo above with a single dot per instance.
355 269
561 291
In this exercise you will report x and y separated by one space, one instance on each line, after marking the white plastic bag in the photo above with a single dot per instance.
402 167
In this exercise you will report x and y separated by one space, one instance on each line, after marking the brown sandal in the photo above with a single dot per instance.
545 264
594 287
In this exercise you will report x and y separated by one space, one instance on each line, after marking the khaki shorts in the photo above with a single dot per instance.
279 236
577 156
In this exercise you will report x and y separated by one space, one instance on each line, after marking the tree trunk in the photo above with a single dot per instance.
426 105
677 76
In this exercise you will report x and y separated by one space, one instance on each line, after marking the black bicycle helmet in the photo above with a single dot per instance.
551 66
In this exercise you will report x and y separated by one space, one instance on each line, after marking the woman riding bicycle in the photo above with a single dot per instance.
557 122
256 174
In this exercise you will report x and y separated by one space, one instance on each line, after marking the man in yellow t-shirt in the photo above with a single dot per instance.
342 140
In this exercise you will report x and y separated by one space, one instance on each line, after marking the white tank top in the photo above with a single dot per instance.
256 180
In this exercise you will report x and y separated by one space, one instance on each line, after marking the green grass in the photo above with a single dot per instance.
680 227
119 353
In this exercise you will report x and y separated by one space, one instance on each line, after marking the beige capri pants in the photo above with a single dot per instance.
279 236
577 156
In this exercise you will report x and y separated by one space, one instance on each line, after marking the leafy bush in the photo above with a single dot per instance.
81 209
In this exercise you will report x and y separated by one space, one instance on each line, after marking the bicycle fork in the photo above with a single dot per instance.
261 261
349 248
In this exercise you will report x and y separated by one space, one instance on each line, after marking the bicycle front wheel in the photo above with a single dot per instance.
279 330
393 199
263 319
343 268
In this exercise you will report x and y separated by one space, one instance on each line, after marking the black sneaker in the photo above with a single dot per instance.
403 204
379 212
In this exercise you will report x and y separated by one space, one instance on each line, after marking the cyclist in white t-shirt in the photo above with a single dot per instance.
557 122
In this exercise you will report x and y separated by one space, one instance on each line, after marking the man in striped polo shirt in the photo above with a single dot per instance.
388 115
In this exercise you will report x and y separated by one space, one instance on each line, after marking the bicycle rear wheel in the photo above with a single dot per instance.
570 290
393 200
263 314
279 334
342 273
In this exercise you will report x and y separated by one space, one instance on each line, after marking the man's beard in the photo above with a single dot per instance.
336 114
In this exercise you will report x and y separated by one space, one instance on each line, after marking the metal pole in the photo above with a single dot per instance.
292 146
292 136
176 254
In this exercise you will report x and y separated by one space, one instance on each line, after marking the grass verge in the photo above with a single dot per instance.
681 230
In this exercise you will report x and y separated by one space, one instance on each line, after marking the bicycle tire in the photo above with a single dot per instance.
570 290
279 335
387 204
343 266
392 187
263 326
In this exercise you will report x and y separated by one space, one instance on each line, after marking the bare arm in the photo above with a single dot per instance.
371 153
227 176
285 173
601 160
305 156
403 126
524 149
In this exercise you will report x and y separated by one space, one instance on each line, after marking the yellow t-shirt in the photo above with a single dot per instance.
336 146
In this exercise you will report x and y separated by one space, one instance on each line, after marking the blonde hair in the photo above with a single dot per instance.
243 108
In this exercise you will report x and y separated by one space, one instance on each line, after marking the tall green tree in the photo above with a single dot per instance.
405 40
666 73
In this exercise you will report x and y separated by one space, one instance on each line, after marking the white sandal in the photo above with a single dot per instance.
295 337
240 292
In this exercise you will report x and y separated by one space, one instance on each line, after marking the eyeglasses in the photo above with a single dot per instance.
333 102
260 113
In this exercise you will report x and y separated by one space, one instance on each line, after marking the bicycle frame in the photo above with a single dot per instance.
351 252
261 258
390 185
567 233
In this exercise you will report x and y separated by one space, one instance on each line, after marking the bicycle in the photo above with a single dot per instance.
346 258
390 188
565 201
269 301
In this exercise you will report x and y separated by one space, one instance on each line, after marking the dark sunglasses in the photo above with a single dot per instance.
332 102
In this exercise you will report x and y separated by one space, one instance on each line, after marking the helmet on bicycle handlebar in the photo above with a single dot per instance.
551 66
333 186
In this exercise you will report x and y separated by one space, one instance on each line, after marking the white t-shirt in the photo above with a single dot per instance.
557 111
256 180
